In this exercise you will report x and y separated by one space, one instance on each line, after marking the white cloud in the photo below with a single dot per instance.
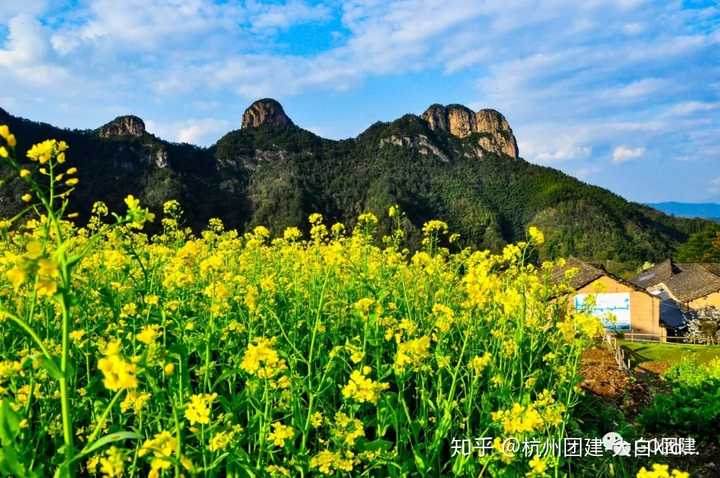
26 55
588 172
634 28
641 88
690 107
714 186
575 79
26 43
284 15
149 25
623 154
200 131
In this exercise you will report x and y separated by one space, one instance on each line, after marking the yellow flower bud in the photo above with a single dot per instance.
61 158
3 152
71 171
169 368
72 181
11 141
26 197
59 177
24 173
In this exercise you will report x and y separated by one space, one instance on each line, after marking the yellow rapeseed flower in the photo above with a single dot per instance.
135 401
480 362
661 471
363 389
536 236
519 419
221 440
119 374
280 434
262 360
169 368
537 466
276 470
327 462
198 409
412 353
149 334
160 448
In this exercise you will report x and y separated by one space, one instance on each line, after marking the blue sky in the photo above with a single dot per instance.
620 93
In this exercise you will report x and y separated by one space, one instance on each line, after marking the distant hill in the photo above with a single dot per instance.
689 209
450 163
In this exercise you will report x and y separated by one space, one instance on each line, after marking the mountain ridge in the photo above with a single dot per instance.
704 210
272 172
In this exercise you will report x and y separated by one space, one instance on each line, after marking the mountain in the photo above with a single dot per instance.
689 209
450 163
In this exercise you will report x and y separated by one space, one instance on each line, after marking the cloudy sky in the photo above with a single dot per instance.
620 93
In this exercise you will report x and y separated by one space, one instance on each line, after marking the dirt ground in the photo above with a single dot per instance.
602 377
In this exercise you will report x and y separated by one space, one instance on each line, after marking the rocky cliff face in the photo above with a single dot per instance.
265 112
461 121
123 126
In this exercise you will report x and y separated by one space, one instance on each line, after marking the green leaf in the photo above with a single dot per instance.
217 461
379 444
10 464
107 439
9 424
50 366
419 462
63 471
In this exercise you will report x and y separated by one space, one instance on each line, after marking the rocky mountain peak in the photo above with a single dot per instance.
123 126
461 121
265 112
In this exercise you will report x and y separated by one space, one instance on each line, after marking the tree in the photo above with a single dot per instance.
702 246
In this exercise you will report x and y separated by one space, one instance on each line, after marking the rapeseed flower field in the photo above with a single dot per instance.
338 353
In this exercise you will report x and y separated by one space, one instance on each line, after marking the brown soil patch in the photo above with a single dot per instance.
657 368
602 377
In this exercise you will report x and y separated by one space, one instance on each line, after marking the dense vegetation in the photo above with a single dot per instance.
276 176
230 354
691 404
701 246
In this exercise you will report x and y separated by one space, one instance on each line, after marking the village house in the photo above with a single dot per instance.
692 285
622 305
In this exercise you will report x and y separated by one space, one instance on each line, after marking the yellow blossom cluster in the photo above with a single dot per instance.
333 352
160 449
519 419
661 471
199 408
412 353
119 374
262 360
363 389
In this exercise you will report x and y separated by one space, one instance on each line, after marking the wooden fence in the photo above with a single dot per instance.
618 352
681 340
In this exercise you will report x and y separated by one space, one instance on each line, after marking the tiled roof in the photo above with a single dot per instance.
685 281
692 282
586 273
653 276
